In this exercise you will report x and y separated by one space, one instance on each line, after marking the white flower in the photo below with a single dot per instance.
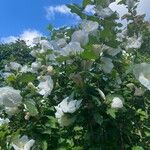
15 66
89 10
35 66
130 3
81 37
103 12
89 26
23 143
5 75
114 51
11 110
138 91
33 53
69 106
4 121
36 40
25 69
45 86
134 42
10 99
71 49
107 65
61 43
12 66
121 35
116 103
66 106
7 68
46 45
51 57
142 73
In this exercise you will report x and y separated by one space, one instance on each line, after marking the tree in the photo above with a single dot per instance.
87 88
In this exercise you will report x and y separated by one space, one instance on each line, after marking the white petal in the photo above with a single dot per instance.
116 103
81 37
142 73
45 87
103 12
10 96
24 139
29 144
89 26
4 121
16 147
107 65
15 66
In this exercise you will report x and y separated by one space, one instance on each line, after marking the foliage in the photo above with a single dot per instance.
87 91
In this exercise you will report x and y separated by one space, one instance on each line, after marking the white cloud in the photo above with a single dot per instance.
51 11
27 36
9 39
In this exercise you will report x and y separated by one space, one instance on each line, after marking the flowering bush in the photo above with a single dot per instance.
87 88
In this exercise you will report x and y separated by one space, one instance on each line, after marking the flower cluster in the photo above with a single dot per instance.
65 107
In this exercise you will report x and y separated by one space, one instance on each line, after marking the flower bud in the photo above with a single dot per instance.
31 86
50 70
130 86
27 116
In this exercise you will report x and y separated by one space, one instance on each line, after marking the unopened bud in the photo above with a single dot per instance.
50 70
27 116
31 86
131 86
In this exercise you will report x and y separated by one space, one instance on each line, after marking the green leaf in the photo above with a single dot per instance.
51 122
86 2
44 145
26 77
77 148
98 118
96 100
112 112
30 106
50 27
77 10
11 78
137 148
103 3
89 53
62 58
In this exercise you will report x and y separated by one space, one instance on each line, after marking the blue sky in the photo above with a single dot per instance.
19 15
26 19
